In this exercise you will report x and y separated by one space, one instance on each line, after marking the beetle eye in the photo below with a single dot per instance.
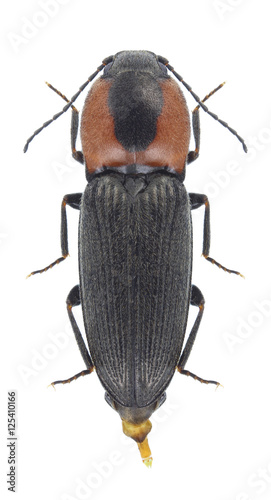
107 68
163 67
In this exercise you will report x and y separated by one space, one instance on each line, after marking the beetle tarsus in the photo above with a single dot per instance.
77 155
204 107
75 377
195 377
57 115
193 155
60 94
57 261
213 261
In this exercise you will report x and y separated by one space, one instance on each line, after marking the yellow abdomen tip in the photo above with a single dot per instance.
139 432
147 462
145 452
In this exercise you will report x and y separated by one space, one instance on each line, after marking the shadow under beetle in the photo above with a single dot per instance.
135 233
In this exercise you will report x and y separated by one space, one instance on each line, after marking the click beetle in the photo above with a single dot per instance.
135 233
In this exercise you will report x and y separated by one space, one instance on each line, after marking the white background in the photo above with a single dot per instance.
206 443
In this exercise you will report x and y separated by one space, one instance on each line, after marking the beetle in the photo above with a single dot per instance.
135 233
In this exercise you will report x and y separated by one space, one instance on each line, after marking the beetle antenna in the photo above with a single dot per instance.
202 100
203 106
61 95
67 106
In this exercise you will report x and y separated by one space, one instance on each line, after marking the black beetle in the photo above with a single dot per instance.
135 233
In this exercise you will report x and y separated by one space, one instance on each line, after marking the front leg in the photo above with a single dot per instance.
77 155
73 200
197 200
193 155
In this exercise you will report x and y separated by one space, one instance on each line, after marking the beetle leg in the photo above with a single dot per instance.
57 115
197 299
68 380
200 103
196 201
193 155
73 300
77 155
195 377
73 200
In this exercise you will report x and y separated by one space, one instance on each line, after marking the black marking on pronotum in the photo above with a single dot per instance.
135 104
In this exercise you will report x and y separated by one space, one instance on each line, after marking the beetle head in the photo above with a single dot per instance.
135 60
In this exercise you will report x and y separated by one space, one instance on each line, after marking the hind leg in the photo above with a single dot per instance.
73 300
